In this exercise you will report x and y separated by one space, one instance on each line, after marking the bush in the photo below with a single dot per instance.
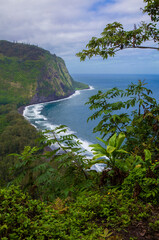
24 218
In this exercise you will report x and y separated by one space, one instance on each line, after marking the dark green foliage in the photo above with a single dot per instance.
23 218
120 203
140 123
21 50
92 205
18 80
16 132
31 74
136 116
27 74
139 171
141 184
111 154
86 218
152 8
57 173
114 38
79 86
112 207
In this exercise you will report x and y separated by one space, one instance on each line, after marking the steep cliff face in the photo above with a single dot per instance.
29 74
54 81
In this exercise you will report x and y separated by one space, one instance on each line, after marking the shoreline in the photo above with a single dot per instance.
84 143
22 108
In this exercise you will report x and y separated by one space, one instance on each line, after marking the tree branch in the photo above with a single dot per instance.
141 47
155 48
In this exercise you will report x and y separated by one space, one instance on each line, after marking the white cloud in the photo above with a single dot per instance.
64 26
123 7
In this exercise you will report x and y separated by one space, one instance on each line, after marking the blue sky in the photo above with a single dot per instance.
64 27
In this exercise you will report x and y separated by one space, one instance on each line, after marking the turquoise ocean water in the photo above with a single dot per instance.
74 113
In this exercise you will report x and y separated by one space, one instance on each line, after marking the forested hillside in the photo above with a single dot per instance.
54 194
28 74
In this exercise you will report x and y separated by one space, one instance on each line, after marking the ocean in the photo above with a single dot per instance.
73 112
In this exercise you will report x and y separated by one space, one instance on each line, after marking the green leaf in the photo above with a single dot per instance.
120 139
110 149
98 148
96 160
100 139
147 155
112 140
121 151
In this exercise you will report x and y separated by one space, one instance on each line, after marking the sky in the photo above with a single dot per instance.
64 27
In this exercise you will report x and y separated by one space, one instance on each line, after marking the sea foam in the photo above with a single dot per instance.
33 114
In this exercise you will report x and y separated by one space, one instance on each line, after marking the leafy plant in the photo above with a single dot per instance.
106 234
24 218
111 153
49 174
141 125
136 115
114 38
142 181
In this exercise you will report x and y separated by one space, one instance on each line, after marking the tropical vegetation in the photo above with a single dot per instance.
54 194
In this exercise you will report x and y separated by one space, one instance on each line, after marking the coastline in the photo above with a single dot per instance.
84 143
32 102
21 109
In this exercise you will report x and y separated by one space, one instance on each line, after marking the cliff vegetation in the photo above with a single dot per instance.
30 74
55 195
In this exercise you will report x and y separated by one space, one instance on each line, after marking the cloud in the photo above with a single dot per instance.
64 26
123 7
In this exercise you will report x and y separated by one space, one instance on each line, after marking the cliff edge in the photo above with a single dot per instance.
29 74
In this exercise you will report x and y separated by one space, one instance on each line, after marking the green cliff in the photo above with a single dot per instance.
29 74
